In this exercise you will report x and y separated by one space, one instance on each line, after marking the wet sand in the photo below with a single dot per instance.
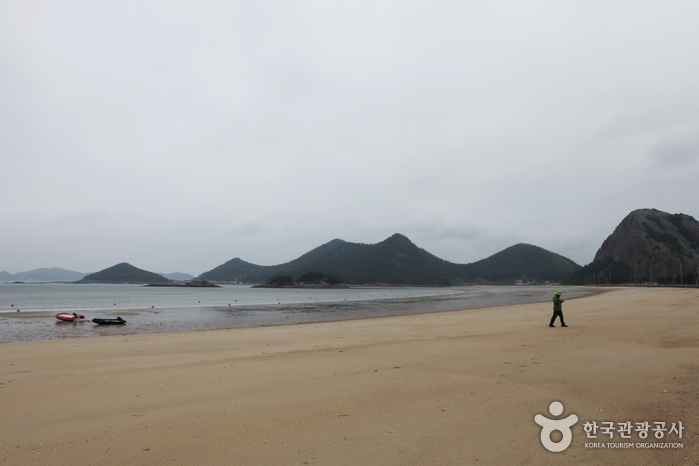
458 387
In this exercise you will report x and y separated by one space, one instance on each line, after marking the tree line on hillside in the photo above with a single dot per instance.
308 278
610 272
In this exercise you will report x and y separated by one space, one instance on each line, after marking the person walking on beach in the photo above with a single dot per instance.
557 309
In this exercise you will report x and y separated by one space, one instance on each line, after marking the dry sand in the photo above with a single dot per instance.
457 387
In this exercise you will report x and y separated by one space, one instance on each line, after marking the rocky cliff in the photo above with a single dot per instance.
649 245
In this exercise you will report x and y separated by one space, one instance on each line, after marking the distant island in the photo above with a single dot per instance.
189 284
58 275
177 276
124 273
53 274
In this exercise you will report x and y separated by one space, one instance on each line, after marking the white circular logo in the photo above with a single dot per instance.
561 425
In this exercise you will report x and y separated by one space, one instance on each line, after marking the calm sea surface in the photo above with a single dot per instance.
165 309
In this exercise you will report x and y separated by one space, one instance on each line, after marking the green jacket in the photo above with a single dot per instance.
557 303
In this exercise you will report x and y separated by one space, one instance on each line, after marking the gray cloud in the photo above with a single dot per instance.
178 136
680 149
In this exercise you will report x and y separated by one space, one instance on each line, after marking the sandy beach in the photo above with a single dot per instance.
459 387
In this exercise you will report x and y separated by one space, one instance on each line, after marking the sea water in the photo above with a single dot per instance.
27 310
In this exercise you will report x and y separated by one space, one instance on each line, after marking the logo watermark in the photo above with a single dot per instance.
598 430
625 431
548 426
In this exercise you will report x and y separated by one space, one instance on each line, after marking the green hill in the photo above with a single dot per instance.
523 262
397 261
124 273
237 270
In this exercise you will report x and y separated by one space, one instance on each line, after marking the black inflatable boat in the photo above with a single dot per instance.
117 321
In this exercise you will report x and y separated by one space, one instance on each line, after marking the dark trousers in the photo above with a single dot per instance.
557 314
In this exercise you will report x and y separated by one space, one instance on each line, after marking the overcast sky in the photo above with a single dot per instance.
178 135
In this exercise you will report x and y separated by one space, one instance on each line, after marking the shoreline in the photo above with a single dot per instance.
40 325
450 387
127 312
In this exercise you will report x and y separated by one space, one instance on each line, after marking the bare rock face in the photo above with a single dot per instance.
652 244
